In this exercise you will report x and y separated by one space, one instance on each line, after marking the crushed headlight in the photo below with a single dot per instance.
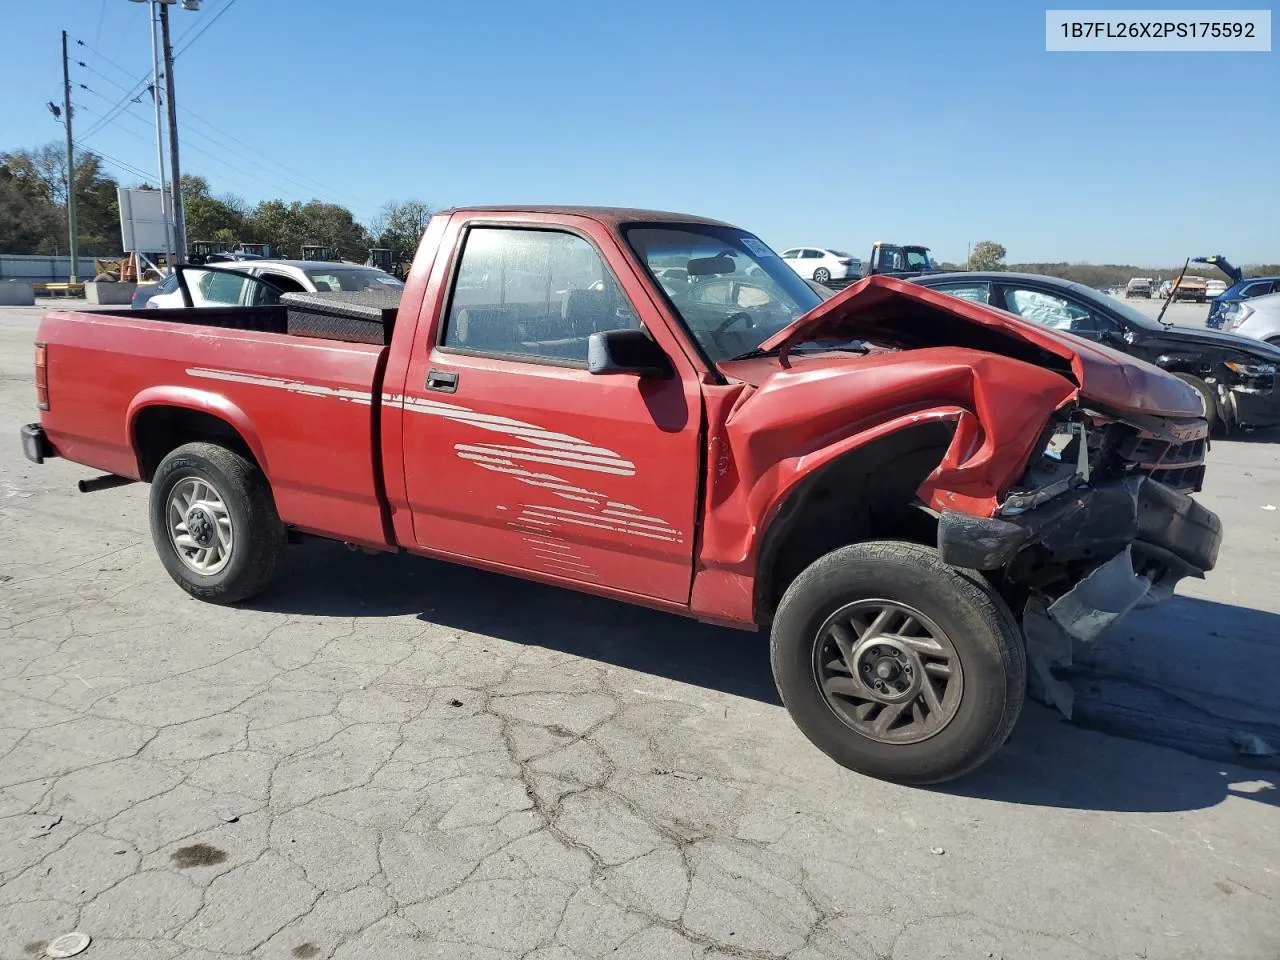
1252 369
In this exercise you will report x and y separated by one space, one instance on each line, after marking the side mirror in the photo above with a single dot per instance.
1113 337
627 351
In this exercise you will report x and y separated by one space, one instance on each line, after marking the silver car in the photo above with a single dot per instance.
1258 318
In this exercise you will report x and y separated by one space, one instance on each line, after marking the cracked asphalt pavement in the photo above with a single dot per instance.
387 757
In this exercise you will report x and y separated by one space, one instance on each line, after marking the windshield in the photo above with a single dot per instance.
731 291
917 258
350 278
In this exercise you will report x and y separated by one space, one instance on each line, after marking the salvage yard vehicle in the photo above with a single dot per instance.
898 482
1189 288
1238 292
1235 375
1138 287
1258 318
231 284
822 264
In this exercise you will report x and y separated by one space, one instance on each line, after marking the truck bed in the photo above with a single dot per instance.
363 317
116 377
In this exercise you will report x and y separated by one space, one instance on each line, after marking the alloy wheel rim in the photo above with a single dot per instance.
200 526
887 671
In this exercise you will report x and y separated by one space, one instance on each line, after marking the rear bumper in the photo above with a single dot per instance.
35 444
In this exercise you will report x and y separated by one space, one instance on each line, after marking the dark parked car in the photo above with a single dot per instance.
143 293
1236 375
1245 289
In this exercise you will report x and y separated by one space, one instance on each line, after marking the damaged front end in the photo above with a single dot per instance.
1100 523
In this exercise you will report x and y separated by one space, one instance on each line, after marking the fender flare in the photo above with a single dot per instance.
817 460
201 401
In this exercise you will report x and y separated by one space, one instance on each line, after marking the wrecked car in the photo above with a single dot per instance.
655 408
1235 374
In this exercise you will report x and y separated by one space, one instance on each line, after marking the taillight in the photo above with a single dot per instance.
42 376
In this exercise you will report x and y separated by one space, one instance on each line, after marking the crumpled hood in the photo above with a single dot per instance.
896 313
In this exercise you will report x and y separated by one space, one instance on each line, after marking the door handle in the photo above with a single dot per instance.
442 381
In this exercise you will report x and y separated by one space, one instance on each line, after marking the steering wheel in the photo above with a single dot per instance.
733 318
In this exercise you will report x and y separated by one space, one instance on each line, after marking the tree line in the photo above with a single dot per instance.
989 255
33 219
33 213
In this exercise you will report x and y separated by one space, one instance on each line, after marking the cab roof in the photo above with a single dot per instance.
612 216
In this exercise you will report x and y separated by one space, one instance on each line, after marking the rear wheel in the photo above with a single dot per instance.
214 523
822 275
896 664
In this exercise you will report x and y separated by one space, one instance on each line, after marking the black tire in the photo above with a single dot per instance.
822 275
1213 415
976 621
258 540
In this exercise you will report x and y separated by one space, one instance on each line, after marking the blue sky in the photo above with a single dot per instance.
824 123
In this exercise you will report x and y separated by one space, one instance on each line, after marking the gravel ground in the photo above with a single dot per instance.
390 757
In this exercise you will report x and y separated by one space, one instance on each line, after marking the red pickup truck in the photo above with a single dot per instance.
917 492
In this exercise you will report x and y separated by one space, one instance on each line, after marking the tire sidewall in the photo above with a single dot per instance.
181 465
980 638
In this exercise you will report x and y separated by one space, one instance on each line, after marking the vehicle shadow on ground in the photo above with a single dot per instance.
1261 435
1144 690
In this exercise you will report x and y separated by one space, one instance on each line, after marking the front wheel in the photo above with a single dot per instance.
214 523
822 275
1212 413
897 665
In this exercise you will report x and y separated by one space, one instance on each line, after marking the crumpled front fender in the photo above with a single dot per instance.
764 441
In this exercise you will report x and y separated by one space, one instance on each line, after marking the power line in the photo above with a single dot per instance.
262 157
102 13
114 83
102 56
115 162
203 27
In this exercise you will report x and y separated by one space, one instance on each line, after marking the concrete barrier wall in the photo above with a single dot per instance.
41 269
112 294
16 293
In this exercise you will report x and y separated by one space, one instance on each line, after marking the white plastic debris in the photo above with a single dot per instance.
1268 506
67 945
937 851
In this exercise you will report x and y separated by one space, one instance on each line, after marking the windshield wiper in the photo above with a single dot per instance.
853 346
755 353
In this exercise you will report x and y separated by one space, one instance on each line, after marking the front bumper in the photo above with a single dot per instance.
1092 524
1113 547
35 444
1254 402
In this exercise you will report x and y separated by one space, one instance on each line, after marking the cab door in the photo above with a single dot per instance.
514 454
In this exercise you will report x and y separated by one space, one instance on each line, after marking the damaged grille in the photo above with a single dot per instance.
1099 449
1176 465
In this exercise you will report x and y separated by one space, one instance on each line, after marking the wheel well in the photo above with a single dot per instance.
866 494
159 430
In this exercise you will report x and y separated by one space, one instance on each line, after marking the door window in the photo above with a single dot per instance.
537 294
977 292
221 289
1055 311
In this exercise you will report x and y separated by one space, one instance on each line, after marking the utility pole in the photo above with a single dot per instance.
165 209
175 178
71 164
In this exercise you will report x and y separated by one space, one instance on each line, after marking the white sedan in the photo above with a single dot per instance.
822 264
224 284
